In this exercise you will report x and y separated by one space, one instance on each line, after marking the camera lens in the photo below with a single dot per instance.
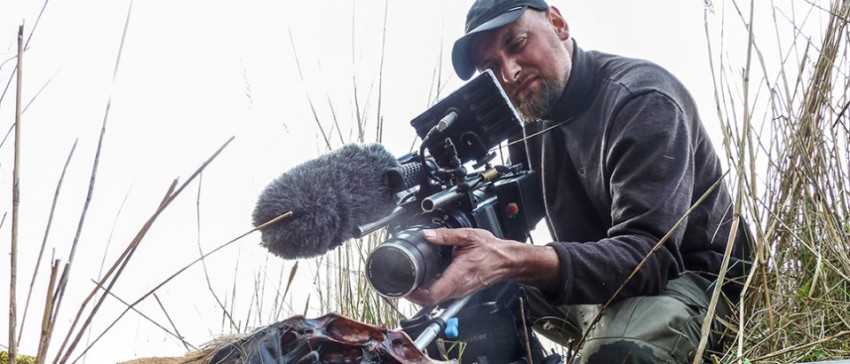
401 264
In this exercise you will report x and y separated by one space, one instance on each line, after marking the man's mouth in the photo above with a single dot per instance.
522 90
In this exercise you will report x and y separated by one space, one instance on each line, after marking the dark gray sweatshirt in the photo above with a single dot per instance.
624 160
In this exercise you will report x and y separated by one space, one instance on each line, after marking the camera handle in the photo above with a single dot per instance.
433 330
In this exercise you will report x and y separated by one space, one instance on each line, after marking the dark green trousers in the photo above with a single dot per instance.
646 329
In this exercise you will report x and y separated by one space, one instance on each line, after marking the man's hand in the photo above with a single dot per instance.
480 260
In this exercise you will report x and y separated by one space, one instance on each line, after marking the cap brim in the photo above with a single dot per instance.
460 51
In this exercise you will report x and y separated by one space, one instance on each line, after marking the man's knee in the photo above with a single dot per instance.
619 350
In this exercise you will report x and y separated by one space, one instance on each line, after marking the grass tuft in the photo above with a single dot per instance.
791 175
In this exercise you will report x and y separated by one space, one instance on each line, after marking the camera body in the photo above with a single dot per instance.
505 200
508 207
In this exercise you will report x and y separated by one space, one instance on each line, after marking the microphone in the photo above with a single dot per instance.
329 197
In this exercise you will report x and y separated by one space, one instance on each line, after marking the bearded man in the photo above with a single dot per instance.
625 164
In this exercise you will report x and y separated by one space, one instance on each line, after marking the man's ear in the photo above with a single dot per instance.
558 23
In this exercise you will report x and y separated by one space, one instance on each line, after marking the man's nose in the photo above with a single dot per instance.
510 70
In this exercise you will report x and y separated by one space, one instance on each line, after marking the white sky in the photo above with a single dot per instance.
194 73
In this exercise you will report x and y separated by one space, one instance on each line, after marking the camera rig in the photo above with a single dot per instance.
437 190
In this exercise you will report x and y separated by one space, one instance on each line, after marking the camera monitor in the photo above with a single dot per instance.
484 117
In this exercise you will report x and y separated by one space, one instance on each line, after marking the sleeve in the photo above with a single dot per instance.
648 171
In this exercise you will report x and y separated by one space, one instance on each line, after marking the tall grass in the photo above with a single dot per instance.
341 283
787 138
338 283
72 346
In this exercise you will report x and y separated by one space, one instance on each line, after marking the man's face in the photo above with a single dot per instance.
530 59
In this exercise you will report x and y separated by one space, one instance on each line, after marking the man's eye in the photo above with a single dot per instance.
517 44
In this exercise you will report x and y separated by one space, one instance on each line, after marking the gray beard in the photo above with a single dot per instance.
539 106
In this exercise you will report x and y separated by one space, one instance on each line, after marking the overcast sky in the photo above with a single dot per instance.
194 73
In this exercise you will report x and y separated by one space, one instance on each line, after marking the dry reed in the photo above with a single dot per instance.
791 182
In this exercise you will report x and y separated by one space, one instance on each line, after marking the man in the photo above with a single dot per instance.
623 157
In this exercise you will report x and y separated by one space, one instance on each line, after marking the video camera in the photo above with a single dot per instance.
438 192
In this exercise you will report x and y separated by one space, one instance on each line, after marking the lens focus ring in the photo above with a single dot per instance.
394 269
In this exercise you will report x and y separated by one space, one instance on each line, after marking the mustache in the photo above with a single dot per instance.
522 80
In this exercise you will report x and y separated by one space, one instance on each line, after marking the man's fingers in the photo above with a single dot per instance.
449 285
421 297
460 236
462 276
437 236
425 295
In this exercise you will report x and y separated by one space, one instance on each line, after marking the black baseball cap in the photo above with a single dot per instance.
486 15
